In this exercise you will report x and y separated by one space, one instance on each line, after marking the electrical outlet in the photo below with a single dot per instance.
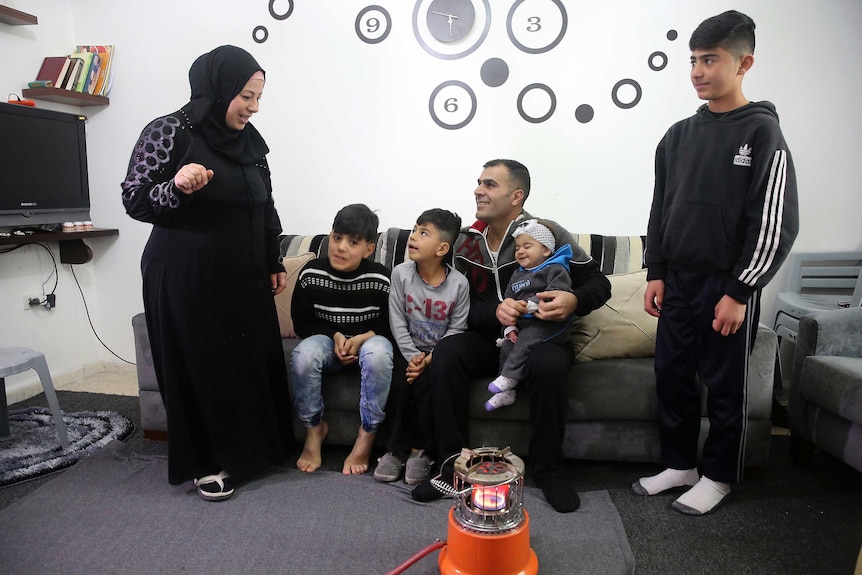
30 302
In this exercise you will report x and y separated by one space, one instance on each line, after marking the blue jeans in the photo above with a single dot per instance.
315 356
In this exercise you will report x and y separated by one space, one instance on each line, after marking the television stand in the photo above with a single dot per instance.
73 250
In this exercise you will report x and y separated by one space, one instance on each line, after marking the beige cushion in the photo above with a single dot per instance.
292 265
621 327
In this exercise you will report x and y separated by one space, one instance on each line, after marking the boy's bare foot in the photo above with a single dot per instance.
310 458
357 462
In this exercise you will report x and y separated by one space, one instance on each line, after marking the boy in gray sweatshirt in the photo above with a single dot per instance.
428 300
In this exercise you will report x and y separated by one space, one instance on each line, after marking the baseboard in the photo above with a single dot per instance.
155 435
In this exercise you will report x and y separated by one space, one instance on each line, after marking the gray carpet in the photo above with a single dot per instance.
115 512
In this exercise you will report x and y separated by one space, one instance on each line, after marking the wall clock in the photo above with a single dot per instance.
536 26
451 29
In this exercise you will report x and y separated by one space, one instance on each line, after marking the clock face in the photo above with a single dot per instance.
451 29
450 20
536 26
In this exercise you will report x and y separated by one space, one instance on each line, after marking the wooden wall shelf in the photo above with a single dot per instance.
65 97
73 250
16 17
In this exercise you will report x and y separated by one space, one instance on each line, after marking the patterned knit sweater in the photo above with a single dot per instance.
326 301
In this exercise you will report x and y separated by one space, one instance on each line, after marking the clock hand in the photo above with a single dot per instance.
450 16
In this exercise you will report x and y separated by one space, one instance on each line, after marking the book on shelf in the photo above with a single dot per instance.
92 74
72 73
84 73
61 77
40 84
106 56
50 69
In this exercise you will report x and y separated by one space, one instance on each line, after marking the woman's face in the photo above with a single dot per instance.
246 103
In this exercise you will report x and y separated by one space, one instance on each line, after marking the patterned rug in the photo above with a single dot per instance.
33 450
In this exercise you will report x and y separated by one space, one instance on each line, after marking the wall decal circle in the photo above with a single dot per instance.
635 100
551 108
535 35
278 16
260 34
448 101
494 72
653 65
672 35
369 30
584 113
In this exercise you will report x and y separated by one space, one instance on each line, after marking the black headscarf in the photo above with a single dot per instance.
216 78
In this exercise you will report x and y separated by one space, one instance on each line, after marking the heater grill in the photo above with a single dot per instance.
489 489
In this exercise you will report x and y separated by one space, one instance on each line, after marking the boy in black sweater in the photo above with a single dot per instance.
724 217
340 307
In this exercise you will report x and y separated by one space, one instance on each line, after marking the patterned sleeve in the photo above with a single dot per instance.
149 193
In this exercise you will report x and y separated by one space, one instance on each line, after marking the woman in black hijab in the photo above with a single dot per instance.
210 270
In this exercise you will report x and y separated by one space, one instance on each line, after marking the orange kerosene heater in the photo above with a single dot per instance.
489 529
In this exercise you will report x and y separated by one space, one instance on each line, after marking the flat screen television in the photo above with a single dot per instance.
43 168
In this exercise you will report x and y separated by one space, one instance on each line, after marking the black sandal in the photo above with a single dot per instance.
215 487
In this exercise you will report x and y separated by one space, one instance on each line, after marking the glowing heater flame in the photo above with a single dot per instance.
491 498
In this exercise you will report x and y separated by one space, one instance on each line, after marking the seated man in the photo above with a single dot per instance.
485 253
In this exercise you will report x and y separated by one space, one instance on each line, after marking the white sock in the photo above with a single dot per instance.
502 383
702 498
667 479
501 399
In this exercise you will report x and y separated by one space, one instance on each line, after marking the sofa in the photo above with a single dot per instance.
613 410
825 400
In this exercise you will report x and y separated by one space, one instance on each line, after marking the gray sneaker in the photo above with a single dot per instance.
418 468
388 467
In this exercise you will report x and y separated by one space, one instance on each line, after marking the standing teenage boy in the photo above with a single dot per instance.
340 308
485 253
428 301
723 219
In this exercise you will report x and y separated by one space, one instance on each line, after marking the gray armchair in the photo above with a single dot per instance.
825 403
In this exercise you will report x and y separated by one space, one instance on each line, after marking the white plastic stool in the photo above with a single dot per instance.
16 360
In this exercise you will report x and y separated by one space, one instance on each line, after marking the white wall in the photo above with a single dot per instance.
348 121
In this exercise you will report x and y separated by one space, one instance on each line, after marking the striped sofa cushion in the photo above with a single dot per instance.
390 250
615 254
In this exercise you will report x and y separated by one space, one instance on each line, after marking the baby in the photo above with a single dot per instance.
541 269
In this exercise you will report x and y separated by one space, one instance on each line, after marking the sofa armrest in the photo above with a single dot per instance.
836 332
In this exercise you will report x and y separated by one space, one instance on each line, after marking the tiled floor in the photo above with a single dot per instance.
114 382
